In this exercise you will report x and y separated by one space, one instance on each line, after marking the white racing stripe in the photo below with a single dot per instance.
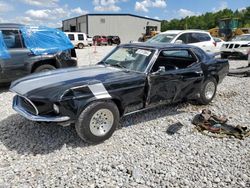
99 91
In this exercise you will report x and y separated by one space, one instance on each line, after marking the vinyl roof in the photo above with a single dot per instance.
157 45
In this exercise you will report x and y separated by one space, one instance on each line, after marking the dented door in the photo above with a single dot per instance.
171 86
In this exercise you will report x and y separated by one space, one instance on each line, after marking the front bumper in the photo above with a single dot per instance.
233 51
22 111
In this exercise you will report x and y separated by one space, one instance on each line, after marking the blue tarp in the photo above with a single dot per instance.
44 40
4 54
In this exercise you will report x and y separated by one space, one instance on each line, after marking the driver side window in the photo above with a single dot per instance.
174 59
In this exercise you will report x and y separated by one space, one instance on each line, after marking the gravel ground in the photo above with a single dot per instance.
139 154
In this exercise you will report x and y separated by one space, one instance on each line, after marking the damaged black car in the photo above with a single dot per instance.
133 77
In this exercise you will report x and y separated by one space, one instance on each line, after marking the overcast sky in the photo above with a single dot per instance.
52 12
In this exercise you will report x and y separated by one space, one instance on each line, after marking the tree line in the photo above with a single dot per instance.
208 20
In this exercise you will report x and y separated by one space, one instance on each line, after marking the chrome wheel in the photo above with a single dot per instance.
210 90
101 122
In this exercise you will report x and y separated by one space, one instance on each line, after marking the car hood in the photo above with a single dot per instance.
237 42
51 85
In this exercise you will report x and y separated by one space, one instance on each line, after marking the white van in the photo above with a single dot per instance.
79 40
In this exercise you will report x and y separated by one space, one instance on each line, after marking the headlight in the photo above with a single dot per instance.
56 108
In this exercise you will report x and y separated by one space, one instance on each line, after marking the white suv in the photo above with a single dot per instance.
198 38
239 46
79 40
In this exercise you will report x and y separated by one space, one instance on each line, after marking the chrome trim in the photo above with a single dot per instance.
32 117
149 107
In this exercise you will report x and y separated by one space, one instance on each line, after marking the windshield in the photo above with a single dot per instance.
162 38
242 38
136 59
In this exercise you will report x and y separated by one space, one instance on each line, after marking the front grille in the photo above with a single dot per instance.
27 105
230 46
236 46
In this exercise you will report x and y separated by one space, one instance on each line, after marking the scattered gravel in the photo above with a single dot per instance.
139 154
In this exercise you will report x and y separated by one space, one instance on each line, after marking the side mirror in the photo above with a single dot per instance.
160 70
178 42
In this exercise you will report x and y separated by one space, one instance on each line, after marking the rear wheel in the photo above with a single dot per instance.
45 68
80 46
208 91
98 121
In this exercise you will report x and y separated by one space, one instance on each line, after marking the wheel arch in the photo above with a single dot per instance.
116 101
52 62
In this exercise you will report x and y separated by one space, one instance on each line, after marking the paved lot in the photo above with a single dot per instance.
139 154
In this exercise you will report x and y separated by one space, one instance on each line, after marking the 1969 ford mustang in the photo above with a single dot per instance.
131 78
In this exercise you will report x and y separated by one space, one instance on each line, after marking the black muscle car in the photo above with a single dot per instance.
131 78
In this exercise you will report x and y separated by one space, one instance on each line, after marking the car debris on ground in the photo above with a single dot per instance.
207 121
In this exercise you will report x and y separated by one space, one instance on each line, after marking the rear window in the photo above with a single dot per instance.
199 37
177 53
12 38
80 37
71 36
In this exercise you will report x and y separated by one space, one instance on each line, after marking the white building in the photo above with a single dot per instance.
127 26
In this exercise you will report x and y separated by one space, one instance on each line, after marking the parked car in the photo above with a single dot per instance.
239 46
90 40
79 40
23 62
113 40
100 40
219 42
133 77
197 38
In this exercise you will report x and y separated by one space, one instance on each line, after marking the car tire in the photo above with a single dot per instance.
224 56
98 121
45 68
207 91
80 46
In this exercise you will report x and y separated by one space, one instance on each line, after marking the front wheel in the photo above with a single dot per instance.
98 121
207 91
45 68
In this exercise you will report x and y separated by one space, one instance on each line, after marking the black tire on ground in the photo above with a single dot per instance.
80 46
207 91
87 126
223 56
44 68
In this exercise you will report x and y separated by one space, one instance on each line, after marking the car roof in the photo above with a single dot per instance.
157 45
183 31
10 25
74 32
